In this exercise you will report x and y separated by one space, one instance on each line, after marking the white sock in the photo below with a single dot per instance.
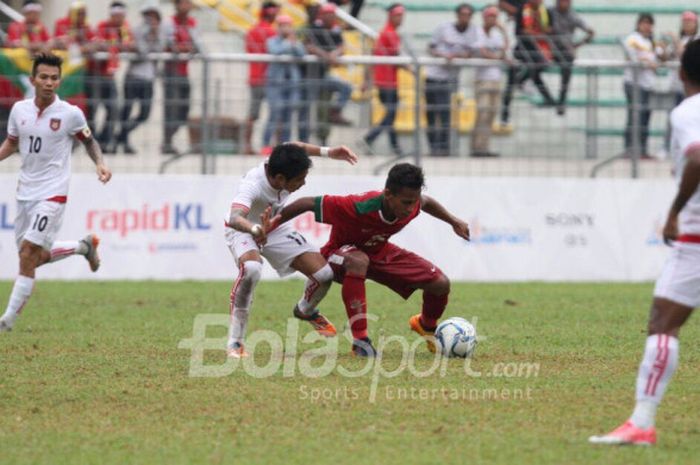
316 289
242 299
658 365
20 294
63 249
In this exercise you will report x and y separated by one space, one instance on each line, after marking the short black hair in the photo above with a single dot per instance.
461 6
289 160
117 4
30 2
645 16
392 6
404 175
690 61
47 59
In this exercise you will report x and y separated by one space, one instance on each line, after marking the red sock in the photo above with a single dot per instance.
355 300
433 308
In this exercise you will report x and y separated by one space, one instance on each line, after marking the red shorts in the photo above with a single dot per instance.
398 269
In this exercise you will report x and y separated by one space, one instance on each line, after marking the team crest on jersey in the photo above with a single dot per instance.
55 124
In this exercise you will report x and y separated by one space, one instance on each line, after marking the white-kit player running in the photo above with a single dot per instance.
42 131
262 194
677 290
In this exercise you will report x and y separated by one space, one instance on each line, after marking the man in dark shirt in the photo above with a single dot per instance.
325 40
565 21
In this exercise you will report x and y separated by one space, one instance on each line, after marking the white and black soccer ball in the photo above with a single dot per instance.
456 337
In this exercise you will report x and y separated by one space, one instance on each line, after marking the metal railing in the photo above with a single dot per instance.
539 143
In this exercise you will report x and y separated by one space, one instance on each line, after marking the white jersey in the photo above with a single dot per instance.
493 41
255 194
638 48
45 144
685 135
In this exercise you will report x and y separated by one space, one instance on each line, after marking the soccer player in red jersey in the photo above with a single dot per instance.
359 248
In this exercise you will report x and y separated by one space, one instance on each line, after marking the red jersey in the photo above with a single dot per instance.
534 22
115 37
65 29
357 220
388 44
255 42
183 30
21 35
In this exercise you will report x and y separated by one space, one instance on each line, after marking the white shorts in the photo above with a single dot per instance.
38 221
680 278
283 245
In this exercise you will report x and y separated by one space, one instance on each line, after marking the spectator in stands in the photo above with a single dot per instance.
325 40
688 32
386 77
513 8
355 5
492 43
533 51
640 49
283 80
6 101
113 36
182 36
138 82
30 33
73 33
565 21
449 40
255 42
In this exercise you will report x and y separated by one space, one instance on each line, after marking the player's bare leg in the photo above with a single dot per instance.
435 296
250 269
320 278
658 364
31 257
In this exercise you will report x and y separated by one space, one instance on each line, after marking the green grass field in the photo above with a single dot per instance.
93 374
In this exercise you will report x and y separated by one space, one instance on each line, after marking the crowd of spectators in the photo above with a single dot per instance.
544 37
100 46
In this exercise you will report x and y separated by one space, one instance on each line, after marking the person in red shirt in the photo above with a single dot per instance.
533 52
385 77
359 248
182 36
255 41
30 33
73 30
113 36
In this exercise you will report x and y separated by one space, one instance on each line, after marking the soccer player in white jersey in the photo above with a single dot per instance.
262 194
42 129
677 290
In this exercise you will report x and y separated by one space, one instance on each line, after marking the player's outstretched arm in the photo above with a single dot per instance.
95 153
434 208
8 147
294 209
339 152
689 184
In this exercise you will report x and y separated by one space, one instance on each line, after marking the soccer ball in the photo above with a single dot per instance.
456 337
